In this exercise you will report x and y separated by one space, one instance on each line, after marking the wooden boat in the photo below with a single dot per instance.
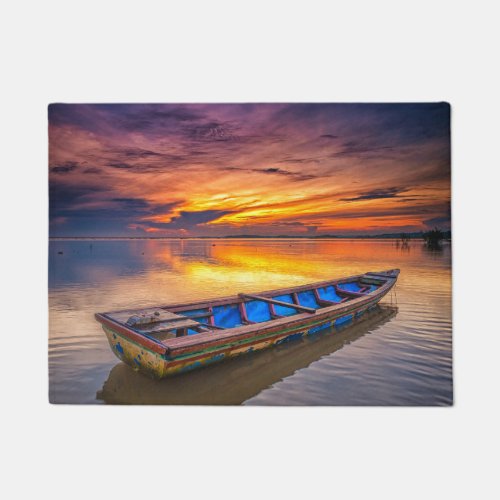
238 379
175 338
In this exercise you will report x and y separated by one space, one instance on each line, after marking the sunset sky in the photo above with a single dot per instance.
265 169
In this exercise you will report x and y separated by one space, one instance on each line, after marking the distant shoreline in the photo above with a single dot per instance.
411 236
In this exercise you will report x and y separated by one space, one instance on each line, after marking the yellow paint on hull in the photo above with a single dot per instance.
156 366
135 355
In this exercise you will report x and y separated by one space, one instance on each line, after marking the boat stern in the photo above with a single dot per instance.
136 356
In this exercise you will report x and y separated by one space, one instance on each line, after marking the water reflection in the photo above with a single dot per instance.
90 276
235 380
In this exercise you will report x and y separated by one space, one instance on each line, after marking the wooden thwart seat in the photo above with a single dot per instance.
213 327
325 302
277 302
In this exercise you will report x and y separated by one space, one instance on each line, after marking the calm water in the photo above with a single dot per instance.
399 355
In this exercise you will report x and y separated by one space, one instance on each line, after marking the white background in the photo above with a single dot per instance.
215 51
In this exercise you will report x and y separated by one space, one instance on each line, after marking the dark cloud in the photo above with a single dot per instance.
375 194
211 131
81 203
92 170
227 134
140 207
287 223
120 165
153 118
408 199
373 131
295 225
66 167
438 222
287 173
401 211
299 160
138 153
134 203
67 196
189 220
296 176
362 149
127 117
145 161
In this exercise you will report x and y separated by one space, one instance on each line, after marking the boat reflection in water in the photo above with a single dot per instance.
235 380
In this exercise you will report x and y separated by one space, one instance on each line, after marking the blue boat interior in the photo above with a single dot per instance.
308 299
283 310
258 311
227 316
252 310
329 293
200 314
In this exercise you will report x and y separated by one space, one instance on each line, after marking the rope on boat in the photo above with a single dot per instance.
393 291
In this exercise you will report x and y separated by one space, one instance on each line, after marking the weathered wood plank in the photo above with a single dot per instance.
214 327
166 326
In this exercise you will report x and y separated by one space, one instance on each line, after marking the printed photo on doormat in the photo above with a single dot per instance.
250 254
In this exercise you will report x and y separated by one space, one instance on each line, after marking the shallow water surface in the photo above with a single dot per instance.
398 355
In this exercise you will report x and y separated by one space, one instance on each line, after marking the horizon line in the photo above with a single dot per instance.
413 235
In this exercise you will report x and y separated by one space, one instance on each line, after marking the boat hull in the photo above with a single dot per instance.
159 365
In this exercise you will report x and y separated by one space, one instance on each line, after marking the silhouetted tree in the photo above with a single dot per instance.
433 238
